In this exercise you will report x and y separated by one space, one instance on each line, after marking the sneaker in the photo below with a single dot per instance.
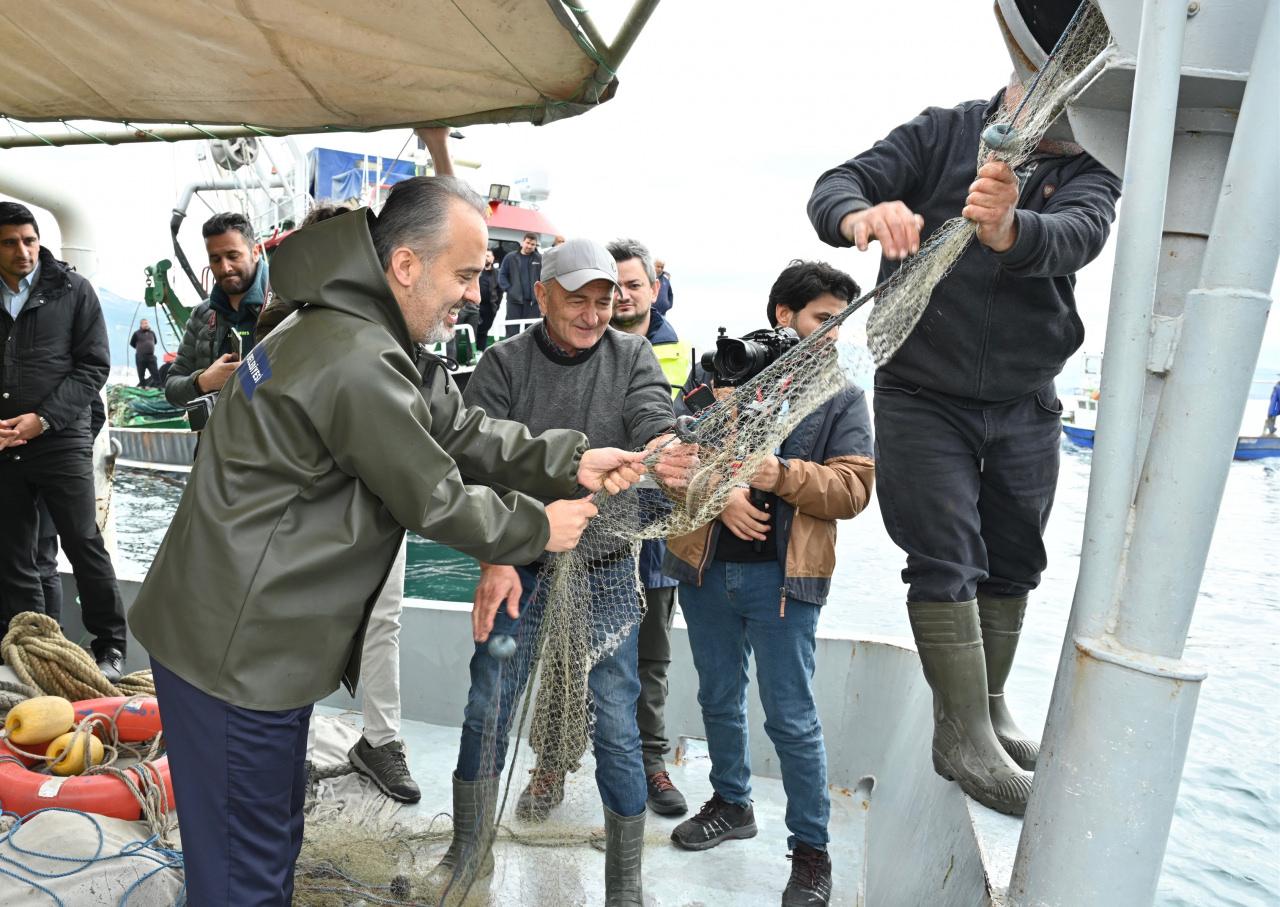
810 882
544 792
111 664
386 767
664 798
718 820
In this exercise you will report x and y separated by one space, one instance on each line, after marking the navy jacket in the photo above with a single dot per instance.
1000 325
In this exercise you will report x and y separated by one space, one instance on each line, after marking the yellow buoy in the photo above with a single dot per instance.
73 763
39 720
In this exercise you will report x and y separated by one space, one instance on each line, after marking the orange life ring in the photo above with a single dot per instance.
23 791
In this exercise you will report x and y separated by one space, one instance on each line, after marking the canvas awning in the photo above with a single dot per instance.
289 66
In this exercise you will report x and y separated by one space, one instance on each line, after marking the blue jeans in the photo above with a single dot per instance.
614 685
734 613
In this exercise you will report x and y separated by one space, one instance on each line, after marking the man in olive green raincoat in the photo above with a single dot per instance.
321 451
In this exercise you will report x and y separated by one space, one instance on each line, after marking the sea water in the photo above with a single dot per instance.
1226 832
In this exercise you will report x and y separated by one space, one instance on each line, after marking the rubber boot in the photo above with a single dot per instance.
965 748
1001 620
624 847
468 863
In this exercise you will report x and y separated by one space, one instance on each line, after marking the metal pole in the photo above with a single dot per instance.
1098 822
1205 395
1133 283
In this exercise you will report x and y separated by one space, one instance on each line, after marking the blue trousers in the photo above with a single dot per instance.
614 684
239 782
733 614
966 492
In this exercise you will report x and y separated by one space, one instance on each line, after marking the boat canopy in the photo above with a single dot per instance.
221 68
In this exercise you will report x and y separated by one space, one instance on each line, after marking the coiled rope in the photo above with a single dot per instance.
43 658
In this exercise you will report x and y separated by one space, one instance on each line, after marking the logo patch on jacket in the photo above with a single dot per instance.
255 369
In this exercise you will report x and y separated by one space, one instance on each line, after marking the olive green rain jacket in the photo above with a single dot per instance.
321 448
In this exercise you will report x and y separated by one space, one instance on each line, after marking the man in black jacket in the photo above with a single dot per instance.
54 360
220 331
966 415
490 300
143 342
516 277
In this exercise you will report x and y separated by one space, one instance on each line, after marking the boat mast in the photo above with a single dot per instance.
1106 785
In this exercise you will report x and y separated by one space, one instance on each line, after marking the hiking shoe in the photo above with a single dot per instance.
664 798
718 820
810 882
386 767
111 664
544 792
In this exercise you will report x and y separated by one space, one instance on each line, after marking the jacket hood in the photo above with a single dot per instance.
660 330
256 295
333 264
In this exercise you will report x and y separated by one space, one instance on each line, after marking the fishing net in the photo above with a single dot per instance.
143 407
1012 136
589 601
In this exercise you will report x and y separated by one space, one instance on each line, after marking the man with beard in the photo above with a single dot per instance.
322 450
220 330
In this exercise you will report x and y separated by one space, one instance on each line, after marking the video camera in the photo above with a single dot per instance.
737 360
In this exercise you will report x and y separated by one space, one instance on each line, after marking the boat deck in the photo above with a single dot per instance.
750 872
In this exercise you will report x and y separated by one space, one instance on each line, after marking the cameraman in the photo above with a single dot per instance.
739 597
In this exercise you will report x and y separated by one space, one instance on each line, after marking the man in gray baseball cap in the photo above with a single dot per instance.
570 371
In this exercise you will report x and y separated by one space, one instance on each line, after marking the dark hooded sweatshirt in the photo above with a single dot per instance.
999 326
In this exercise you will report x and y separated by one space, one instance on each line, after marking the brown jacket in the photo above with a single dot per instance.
827 475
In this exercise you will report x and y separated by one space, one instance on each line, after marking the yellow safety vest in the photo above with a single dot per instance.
676 360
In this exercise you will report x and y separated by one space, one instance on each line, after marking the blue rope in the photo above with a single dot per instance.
148 849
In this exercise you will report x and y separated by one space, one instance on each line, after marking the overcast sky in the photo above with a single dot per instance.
724 118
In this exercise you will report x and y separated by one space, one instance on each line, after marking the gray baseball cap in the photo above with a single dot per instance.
575 263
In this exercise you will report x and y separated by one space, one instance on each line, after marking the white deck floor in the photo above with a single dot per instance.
751 872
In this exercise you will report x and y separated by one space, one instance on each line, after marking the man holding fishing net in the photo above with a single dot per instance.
322 449
575 620
966 415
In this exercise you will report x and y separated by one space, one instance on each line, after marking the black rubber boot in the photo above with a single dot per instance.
465 868
965 749
624 848
1001 626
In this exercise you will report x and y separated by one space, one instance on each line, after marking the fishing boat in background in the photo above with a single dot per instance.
1080 419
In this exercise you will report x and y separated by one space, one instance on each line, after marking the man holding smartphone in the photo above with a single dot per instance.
220 330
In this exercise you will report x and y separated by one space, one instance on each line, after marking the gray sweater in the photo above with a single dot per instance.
614 393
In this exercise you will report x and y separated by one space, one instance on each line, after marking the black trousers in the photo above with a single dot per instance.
521 310
63 480
147 365
488 312
47 564
966 492
654 656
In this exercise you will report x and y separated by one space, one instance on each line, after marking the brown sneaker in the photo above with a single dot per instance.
664 798
544 793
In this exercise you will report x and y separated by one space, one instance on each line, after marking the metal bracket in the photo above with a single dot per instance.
1166 330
